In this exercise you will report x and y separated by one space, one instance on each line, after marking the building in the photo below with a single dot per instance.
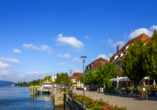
75 78
95 64
120 54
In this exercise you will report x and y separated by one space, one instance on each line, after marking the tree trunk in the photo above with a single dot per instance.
144 83
136 88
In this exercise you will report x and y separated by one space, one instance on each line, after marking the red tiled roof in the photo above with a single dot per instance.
76 75
142 37
96 63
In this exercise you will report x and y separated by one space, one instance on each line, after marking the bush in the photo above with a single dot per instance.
96 104
128 88
112 90
138 89
147 88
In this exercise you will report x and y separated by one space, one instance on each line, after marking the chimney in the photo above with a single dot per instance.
117 49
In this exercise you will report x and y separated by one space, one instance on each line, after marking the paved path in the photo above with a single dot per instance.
131 102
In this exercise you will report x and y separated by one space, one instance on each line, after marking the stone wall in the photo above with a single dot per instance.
73 104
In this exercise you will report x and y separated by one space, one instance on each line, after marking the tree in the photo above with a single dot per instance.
62 78
101 75
132 63
108 71
150 57
49 78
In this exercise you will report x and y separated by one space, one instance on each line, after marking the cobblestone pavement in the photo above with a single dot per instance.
130 101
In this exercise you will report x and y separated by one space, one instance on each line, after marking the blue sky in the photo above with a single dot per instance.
43 37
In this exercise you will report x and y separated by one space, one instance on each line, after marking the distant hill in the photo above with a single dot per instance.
5 83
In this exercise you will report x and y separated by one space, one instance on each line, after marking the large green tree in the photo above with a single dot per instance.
132 63
62 78
150 57
49 78
101 75
105 72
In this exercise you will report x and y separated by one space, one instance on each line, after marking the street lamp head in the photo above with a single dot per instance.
83 56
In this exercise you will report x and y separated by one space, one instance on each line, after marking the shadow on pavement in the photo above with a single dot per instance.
132 96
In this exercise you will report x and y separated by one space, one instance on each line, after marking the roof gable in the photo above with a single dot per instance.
142 37
74 75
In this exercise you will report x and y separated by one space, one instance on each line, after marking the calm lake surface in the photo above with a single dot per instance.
18 98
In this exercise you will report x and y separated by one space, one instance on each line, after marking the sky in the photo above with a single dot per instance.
45 37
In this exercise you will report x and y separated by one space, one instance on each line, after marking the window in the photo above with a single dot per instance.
114 58
124 54
91 65
119 56
124 48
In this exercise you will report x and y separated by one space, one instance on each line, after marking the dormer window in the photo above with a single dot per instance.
124 48
114 58
124 54
119 56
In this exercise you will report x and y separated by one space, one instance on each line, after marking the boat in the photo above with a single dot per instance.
46 86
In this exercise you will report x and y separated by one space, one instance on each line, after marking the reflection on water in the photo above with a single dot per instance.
18 98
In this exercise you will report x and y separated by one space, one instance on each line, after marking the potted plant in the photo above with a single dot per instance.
131 90
128 89
97 89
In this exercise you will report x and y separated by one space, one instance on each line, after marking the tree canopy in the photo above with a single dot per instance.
150 57
132 62
102 74
49 78
62 78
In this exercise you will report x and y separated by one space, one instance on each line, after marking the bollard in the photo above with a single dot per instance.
33 91
30 90
84 103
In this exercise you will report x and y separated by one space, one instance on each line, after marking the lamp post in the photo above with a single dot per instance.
70 76
83 73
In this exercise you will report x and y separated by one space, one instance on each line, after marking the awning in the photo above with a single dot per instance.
125 79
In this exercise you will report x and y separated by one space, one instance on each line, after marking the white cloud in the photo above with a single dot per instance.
103 56
139 31
30 46
72 41
5 72
76 70
65 55
76 59
153 27
4 65
87 37
42 47
32 73
37 73
110 54
109 41
16 51
61 64
119 43
9 60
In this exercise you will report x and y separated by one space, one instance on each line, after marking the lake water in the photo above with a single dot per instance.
18 98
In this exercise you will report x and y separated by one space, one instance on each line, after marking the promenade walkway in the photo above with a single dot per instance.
130 101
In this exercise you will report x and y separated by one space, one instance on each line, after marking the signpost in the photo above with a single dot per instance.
144 94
